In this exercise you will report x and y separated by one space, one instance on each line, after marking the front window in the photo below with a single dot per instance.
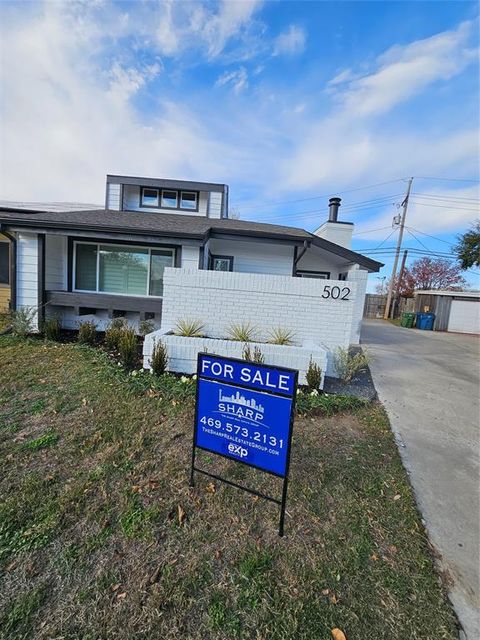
222 263
169 199
125 270
149 197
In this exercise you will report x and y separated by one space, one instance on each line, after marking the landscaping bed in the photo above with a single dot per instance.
101 536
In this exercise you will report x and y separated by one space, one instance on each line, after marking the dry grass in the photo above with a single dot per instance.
101 537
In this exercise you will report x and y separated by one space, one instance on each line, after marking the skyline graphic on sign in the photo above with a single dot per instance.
240 399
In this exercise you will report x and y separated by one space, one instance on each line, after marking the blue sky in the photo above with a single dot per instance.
284 101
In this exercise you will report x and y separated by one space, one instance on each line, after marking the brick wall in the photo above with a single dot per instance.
220 299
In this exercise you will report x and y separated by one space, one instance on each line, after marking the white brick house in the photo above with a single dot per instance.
157 238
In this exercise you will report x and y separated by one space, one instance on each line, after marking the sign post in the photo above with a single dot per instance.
244 412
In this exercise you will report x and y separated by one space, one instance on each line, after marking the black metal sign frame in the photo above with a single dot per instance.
283 500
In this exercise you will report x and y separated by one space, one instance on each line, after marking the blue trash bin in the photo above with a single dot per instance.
425 321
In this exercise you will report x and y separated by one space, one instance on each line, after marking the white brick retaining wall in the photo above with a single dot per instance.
304 306
183 352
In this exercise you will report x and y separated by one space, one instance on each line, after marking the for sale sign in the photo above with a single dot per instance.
244 411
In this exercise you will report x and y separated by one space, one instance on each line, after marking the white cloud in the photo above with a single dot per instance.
65 125
403 71
185 25
237 79
290 42
349 145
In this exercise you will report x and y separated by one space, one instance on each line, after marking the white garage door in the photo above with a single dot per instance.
464 316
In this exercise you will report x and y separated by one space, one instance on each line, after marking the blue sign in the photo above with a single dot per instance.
244 411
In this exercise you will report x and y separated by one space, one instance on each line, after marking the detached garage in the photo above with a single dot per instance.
457 311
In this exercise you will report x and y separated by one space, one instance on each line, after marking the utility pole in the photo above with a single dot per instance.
397 252
400 278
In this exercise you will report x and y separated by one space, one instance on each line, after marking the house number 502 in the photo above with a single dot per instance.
336 293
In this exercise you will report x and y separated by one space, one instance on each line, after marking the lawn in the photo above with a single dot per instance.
101 536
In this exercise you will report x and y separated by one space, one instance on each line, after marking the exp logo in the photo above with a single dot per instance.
237 450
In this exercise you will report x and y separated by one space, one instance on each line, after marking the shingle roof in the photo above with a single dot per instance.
173 225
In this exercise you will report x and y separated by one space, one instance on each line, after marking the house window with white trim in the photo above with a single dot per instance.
120 269
221 263
4 262
188 200
149 197
169 199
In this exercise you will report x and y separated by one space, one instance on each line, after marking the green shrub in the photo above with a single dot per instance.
189 328
146 326
314 375
159 359
241 332
51 328
314 403
128 346
87 332
281 336
22 321
255 356
348 364
114 332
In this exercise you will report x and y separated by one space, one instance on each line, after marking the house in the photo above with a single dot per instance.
113 261
457 311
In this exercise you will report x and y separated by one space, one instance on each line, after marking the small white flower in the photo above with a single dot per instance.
134 373
299 391
314 393
194 377
184 379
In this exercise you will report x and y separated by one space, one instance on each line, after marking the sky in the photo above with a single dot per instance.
287 102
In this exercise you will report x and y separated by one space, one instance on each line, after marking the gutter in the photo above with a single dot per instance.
13 267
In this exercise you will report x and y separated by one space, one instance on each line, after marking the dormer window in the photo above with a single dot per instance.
188 200
169 199
149 197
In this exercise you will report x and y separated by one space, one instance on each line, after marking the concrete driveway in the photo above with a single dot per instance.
429 383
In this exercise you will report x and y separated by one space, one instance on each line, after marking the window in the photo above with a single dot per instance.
188 200
169 199
322 275
4 262
221 263
125 270
149 197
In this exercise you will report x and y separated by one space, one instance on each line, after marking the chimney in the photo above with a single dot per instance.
338 232
333 205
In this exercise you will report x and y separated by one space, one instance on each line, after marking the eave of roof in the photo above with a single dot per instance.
173 225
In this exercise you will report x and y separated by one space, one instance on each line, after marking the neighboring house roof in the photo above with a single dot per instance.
447 292
47 206
173 225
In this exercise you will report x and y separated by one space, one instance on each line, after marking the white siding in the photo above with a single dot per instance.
317 260
190 257
55 262
255 257
215 205
358 276
337 232
131 202
27 271
113 196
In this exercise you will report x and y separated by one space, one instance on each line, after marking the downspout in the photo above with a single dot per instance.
306 245
13 268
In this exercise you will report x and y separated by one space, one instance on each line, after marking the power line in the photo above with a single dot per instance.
433 237
446 179
433 196
441 206
417 239
326 195
359 233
